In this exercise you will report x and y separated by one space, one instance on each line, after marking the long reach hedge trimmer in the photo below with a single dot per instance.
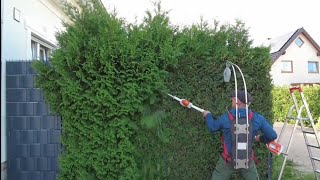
186 103
273 147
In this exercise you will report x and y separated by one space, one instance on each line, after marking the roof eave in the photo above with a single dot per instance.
291 39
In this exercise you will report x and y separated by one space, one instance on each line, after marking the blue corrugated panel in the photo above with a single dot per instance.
29 137
35 175
54 165
33 132
26 109
49 175
28 164
34 95
12 172
16 95
20 81
27 81
21 150
12 109
35 150
29 175
15 136
42 164
48 150
12 81
35 122
16 68
14 165
54 136
48 122
42 137
11 68
20 109
40 109
17 123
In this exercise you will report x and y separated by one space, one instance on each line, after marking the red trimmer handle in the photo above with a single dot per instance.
185 103
295 88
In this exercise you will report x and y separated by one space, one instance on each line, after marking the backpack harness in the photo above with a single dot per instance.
241 161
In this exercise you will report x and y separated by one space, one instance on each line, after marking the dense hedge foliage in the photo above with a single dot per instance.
108 82
199 78
282 101
104 81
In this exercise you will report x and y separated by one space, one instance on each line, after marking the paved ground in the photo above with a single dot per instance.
3 171
3 176
298 152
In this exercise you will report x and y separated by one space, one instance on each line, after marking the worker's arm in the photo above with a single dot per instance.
269 133
212 124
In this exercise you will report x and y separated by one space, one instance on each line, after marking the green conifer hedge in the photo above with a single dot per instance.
108 80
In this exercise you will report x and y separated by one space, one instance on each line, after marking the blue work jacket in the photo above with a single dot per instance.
223 124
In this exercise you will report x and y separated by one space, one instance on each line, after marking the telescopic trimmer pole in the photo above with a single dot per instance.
186 103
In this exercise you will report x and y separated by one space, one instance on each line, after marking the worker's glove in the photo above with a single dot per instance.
275 148
205 113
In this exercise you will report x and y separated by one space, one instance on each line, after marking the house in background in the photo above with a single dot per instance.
295 59
28 29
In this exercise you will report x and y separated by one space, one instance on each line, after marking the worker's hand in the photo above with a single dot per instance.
257 138
204 114
275 148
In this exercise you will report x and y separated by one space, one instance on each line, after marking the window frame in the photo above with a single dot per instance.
39 44
317 67
299 38
291 62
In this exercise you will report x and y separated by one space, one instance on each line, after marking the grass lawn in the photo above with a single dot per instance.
290 172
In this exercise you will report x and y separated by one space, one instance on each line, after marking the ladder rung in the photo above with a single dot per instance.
315 146
314 158
295 118
292 118
309 132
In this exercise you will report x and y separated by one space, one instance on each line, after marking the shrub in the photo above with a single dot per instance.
282 101
105 80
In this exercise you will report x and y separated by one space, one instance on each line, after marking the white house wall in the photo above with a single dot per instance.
299 57
3 121
41 17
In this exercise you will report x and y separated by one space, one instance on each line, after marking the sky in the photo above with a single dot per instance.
264 18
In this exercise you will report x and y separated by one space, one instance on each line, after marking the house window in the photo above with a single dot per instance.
286 67
40 49
299 42
313 67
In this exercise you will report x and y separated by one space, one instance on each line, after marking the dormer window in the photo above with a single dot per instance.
299 42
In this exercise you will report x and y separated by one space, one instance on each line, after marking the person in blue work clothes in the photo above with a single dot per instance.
224 169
